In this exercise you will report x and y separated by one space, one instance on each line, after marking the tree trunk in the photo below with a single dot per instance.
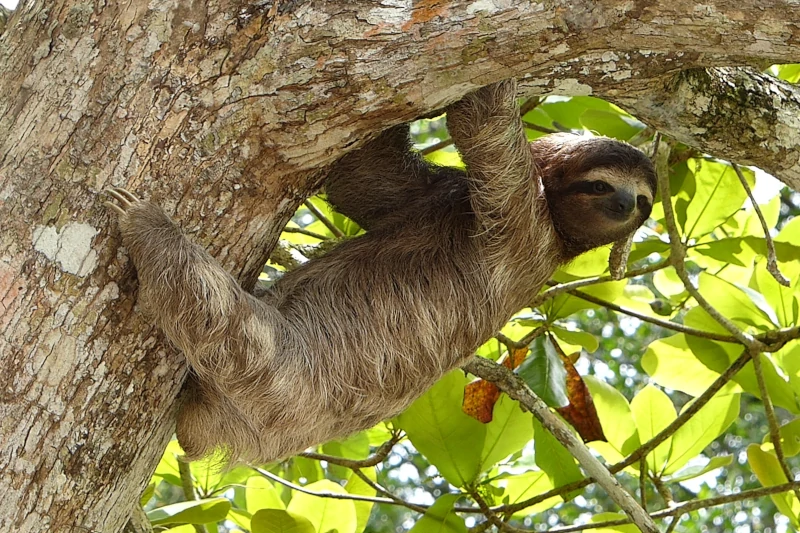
226 114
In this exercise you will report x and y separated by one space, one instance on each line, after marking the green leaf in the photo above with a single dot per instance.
610 517
717 197
702 428
669 284
653 411
737 303
194 512
768 471
790 438
692 472
543 371
279 521
260 494
441 518
672 364
615 416
521 487
552 457
356 485
782 299
790 72
324 514
508 432
610 123
577 338
450 439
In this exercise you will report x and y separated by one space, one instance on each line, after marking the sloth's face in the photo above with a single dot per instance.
598 190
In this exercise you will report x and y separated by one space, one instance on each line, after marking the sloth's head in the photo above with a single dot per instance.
598 190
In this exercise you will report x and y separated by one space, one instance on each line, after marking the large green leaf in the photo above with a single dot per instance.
692 472
576 338
520 487
438 427
615 416
354 447
768 471
325 514
280 521
441 518
739 304
672 364
544 373
784 300
702 428
193 512
717 197
552 457
260 494
508 432
653 411
356 485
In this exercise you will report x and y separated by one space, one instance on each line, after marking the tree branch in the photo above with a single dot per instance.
518 390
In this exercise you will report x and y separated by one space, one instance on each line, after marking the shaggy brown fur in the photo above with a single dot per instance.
354 337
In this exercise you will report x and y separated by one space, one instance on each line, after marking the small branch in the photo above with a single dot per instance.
772 420
561 288
772 257
688 507
322 218
674 326
518 390
645 448
524 341
303 231
492 517
380 454
326 494
536 127
185 472
382 490
678 255
438 146
529 105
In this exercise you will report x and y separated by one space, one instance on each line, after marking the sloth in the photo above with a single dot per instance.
353 337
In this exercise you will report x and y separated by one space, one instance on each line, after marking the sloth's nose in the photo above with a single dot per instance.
621 204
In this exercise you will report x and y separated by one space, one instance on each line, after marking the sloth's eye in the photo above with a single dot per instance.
601 187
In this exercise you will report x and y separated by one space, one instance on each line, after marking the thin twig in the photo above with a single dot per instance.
772 420
514 387
492 517
304 231
674 326
382 490
561 288
535 127
380 454
688 507
678 256
326 494
438 146
322 218
772 257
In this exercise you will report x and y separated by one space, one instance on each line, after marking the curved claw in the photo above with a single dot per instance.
123 199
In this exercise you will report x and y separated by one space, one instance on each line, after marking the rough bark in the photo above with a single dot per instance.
225 112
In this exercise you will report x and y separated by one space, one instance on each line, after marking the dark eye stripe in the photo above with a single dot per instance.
590 187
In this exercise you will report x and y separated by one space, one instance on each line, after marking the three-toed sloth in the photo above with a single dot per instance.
353 337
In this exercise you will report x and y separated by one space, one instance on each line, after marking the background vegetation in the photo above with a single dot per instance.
646 347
